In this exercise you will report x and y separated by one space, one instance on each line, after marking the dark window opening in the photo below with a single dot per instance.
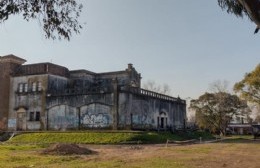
31 116
158 122
162 122
37 118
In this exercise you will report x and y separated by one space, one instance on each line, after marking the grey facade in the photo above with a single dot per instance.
46 96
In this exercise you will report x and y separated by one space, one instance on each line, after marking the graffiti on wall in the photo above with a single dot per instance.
11 123
95 121
95 116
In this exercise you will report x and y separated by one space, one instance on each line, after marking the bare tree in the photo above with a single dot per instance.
153 86
219 86
166 89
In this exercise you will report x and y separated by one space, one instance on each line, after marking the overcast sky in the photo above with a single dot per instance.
183 43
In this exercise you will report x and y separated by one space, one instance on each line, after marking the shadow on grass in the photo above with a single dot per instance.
240 139
163 137
155 137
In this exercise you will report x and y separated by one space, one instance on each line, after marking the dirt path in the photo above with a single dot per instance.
231 155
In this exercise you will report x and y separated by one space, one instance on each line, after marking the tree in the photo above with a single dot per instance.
240 8
152 86
219 86
214 111
257 118
257 115
233 6
249 87
59 18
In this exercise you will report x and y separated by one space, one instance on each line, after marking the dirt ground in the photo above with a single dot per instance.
213 155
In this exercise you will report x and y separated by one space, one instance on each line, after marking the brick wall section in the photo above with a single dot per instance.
8 64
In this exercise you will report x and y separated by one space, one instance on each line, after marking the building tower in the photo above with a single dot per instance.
8 65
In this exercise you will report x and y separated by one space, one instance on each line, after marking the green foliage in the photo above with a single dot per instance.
215 110
59 18
249 87
200 134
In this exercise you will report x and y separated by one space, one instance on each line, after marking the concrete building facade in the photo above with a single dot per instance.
46 96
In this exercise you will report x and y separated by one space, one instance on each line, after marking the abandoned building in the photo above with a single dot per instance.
45 96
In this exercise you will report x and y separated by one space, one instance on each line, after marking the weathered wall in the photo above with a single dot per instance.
62 117
85 100
80 111
22 103
56 84
96 116
42 68
6 70
146 112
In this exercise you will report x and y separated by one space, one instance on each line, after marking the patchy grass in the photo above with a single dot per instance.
213 155
196 135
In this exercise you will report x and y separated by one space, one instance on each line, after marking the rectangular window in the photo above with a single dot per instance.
20 87
39 86
31 116
38 116
35 116
34 84
25 87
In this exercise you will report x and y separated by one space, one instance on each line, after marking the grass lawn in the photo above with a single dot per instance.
24 151
229 154
103 137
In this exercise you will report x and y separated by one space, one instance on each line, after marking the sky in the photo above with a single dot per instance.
182 43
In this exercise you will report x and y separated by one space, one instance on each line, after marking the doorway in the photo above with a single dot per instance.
21 119
162 121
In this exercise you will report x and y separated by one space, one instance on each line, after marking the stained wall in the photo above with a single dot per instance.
53 98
